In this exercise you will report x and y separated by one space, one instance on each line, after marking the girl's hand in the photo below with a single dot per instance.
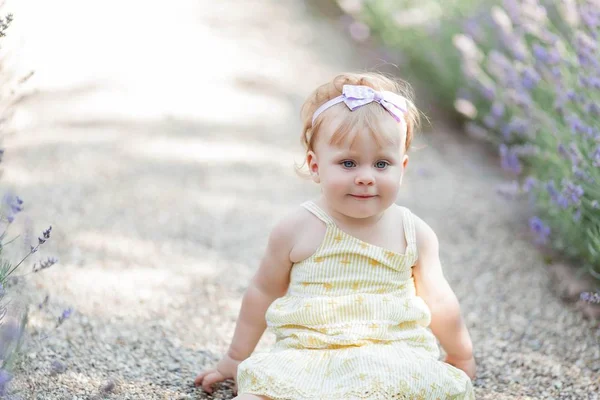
225 369
468 365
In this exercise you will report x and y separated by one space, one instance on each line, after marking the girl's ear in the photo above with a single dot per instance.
313 166
404 164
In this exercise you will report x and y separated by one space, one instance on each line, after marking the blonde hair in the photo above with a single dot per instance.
368 117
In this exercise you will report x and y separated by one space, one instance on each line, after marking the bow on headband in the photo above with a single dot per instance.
355 96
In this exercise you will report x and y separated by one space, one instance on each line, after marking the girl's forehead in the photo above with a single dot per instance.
361 139
344 130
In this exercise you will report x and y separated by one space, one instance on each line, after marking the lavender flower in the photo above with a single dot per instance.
582 175
593 108
556 197
572 192
517 126
577 215
50 261
590 297
529 184
541 230
65 315
596 157
497 110
590 17
44 302
14 206
540 53
529 78
509 160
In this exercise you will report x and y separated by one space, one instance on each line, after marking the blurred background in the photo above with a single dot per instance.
158 139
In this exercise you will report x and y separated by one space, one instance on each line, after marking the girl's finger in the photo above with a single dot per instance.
201 376
214 377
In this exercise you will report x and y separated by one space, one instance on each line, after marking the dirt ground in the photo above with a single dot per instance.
159 139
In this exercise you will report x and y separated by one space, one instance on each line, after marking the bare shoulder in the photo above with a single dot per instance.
292 226
286 227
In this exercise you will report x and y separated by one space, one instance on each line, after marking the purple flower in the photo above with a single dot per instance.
596 157
572 192
589 15
512 9
65 314
50 261
556 197
562 150
517 126
529 78
540 53
488 92
590 297
497 110
44 302
575 97
529 184
46 233
541 230
575 124
593 108
582 174
502 68
14 205
509 160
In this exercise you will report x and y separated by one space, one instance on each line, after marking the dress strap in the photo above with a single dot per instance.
408 222
318 212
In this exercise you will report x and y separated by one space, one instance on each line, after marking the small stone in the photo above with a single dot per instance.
558 384
57 367
108 387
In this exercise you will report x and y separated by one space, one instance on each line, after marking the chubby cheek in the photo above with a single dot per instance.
337 181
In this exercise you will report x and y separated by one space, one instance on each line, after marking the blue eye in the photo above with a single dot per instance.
378 164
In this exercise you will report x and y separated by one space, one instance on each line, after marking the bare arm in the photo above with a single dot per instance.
269 283
446 320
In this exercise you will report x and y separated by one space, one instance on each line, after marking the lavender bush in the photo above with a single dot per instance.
531 87
13 316
418 35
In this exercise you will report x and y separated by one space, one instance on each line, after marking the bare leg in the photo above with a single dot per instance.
250 397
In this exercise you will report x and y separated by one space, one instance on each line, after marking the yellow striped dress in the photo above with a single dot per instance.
351 327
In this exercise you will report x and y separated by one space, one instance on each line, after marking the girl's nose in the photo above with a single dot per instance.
364 178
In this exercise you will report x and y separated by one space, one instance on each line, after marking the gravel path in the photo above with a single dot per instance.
159 142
